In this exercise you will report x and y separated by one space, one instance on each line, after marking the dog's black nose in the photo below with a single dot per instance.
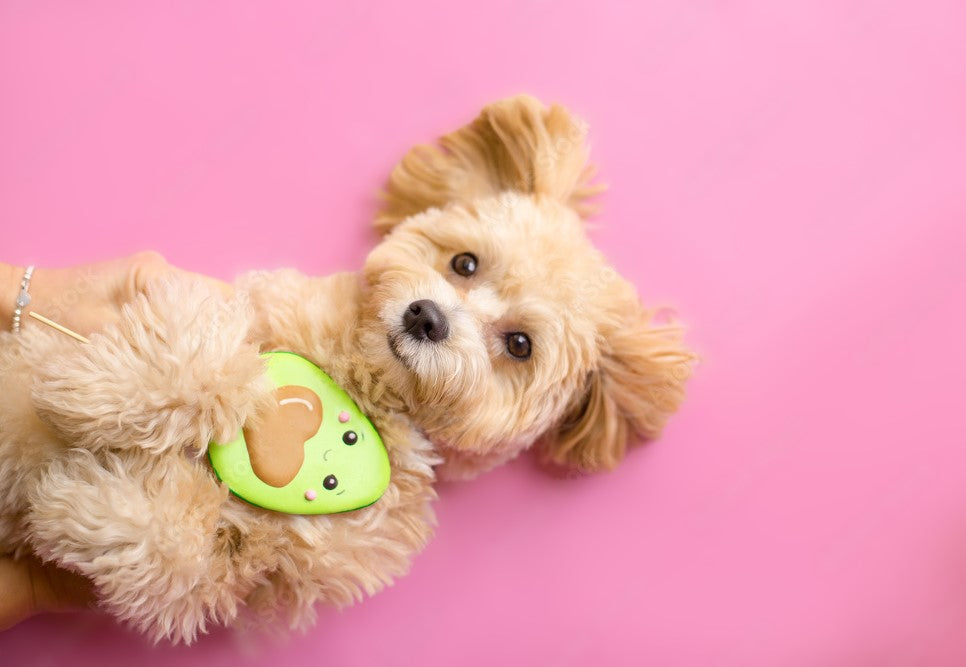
424 320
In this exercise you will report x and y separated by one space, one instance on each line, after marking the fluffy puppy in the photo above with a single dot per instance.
483 323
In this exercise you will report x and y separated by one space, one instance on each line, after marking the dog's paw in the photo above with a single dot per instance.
176 371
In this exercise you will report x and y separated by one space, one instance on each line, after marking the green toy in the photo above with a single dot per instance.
317 453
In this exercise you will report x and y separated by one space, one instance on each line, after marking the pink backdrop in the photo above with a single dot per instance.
789 175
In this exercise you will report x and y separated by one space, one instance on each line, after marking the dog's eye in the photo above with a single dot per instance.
464 264
518 345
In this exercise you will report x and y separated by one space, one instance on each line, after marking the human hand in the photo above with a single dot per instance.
86 298
30 587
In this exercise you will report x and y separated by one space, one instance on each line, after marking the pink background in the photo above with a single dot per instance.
789 175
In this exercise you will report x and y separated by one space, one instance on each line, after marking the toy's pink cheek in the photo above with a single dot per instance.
343 417
310 494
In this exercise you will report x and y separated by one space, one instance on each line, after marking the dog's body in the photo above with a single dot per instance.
483 323
108 481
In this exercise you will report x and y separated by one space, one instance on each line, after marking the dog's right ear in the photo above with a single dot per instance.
515 144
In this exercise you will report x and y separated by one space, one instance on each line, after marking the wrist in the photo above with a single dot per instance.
10 277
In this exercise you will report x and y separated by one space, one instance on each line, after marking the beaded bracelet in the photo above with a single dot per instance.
23 298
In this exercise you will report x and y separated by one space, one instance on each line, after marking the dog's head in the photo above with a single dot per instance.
490 316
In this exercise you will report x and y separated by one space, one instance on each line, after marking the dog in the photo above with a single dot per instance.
482 325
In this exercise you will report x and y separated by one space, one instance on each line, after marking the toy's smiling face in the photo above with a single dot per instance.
315 453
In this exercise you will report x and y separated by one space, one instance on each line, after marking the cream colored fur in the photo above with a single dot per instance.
102 444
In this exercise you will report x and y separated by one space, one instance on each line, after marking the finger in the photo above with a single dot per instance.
57 589
18 601
146 267
224 288
31 587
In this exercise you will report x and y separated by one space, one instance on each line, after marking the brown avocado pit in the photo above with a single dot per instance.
276 442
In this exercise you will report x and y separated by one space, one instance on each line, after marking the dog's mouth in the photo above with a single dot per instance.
394 348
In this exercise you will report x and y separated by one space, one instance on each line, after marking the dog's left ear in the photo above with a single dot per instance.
637 385
516 144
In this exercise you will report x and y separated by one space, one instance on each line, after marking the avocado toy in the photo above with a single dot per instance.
315 453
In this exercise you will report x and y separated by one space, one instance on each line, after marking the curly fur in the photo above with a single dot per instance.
101 444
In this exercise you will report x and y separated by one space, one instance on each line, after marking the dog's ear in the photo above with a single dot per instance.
637 385
515 144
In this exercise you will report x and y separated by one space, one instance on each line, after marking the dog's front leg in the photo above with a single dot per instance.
144 531
176 372
309 315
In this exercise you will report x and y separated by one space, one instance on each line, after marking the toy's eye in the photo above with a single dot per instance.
518 345
330 482
464 264
350 437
